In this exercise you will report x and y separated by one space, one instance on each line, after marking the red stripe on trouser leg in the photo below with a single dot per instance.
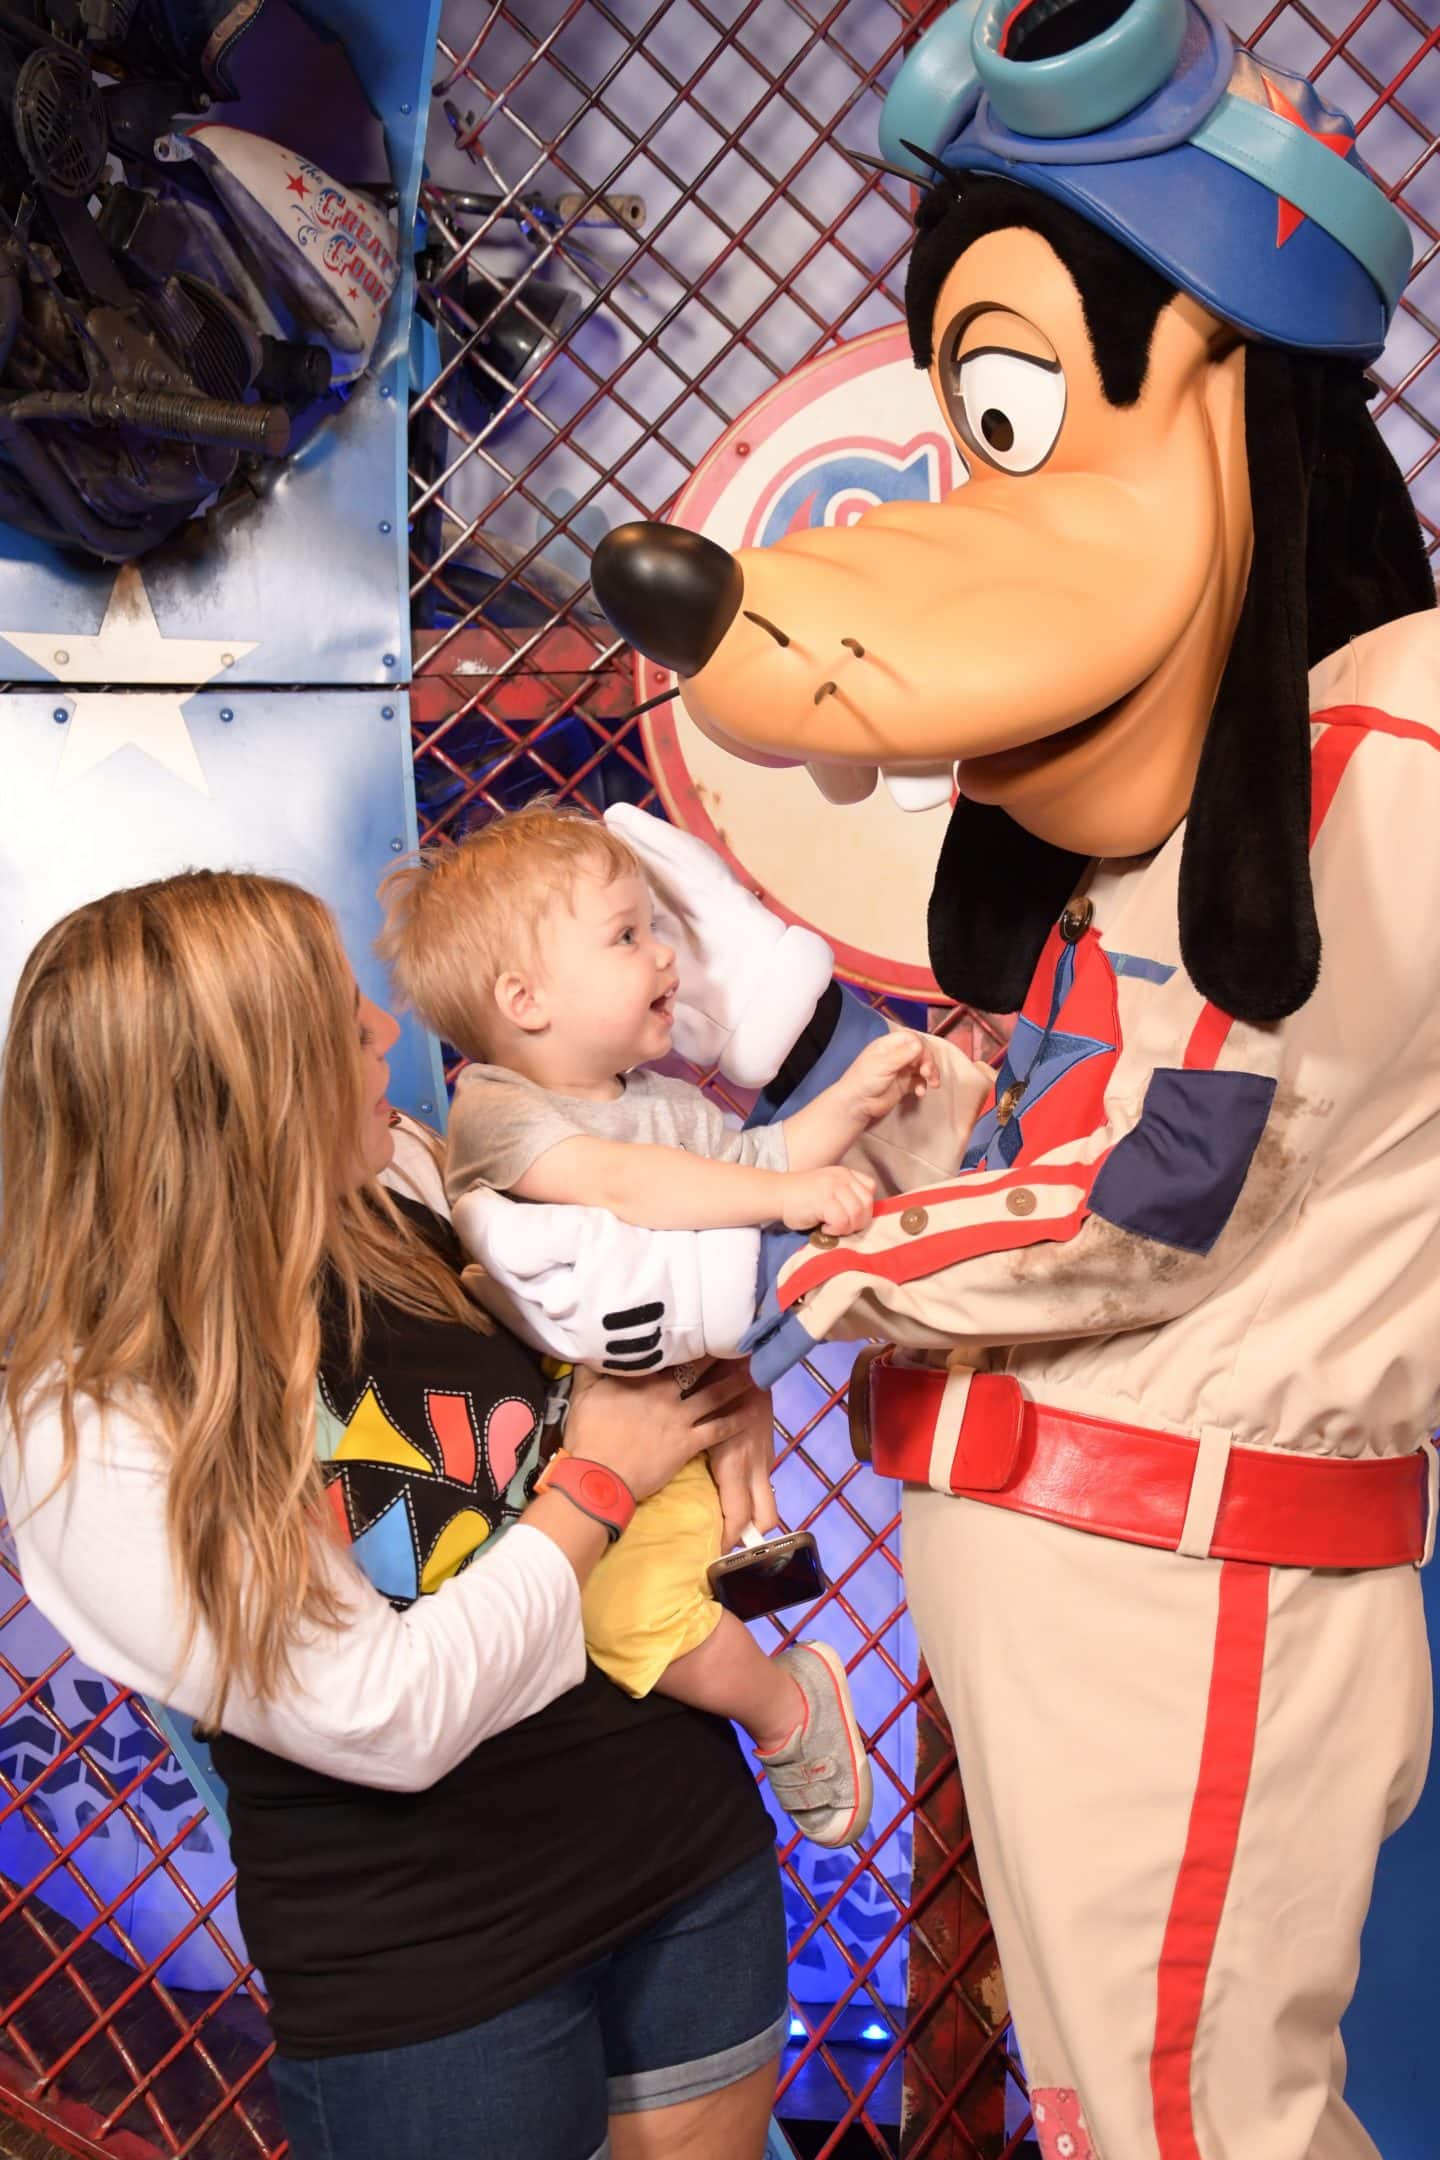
1204 1878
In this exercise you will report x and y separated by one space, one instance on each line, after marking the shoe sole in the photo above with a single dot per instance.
860 1761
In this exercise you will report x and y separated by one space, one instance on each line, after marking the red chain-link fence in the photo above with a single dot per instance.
639 218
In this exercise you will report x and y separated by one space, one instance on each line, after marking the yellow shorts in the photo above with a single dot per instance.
648 1601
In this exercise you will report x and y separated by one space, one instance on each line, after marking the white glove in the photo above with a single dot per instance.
585 1287
748 982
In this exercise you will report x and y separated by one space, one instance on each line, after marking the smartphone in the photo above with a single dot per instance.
767 1577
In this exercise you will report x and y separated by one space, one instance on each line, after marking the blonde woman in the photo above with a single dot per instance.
501 1908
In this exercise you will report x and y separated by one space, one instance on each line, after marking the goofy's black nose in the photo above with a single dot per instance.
671 594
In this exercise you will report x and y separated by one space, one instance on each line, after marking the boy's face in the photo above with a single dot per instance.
606 983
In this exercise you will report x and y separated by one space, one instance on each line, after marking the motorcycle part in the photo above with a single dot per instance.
59 121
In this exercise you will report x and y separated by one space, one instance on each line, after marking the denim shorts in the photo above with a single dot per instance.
695 2002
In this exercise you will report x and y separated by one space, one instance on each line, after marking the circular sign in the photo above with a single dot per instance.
854 428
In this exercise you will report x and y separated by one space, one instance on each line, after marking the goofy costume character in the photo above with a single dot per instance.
1159 1299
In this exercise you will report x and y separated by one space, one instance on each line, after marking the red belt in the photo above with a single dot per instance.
1123 1481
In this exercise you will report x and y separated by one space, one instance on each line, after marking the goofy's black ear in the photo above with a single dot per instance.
1337 551
1248 932
997 893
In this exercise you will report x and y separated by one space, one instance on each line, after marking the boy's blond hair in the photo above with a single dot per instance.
459 915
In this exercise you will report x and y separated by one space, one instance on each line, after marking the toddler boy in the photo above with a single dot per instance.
530 947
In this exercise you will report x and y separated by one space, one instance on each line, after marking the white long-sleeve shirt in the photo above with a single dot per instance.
389 1699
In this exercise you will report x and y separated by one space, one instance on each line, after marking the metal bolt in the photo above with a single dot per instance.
60 715
397 847
387 712
742 449
404 108
385 390
62 659
227 659
389 659
226 714
384 525
428 1108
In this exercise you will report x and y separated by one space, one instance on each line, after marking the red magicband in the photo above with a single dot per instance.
589 1486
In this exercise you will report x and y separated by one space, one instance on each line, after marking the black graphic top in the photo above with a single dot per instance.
381 1918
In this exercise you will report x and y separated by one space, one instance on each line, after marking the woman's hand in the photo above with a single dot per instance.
645 1430
741 1464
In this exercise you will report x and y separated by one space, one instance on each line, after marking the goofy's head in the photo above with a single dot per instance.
1148 275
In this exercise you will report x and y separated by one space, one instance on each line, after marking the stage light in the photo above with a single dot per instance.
517 332
797 2029
875 2032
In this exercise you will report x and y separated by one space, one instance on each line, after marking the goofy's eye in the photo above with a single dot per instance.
1008 407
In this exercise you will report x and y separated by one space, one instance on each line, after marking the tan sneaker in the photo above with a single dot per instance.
821 1776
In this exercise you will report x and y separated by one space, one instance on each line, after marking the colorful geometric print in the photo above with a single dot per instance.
1060 1058
416 1506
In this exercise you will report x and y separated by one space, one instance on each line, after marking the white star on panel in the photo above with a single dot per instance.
104 721
129 647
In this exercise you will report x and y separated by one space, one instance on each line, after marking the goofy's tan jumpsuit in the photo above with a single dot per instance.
1189 1290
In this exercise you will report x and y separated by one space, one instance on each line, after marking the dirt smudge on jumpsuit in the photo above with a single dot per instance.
1138 1279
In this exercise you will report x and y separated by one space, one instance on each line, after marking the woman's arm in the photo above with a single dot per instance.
386 1699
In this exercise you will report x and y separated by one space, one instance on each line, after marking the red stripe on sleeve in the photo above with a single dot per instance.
943 1248
1371 721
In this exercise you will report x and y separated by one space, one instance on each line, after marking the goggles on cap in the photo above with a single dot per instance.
995 86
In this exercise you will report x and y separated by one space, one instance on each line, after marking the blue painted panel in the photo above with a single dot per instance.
1389 2034
306 577
392 50
312 785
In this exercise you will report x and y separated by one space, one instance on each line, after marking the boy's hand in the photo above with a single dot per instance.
889 1069
836 1201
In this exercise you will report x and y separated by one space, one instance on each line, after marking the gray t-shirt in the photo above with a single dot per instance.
500 1123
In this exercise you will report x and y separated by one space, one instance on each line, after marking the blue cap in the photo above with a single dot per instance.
1233 177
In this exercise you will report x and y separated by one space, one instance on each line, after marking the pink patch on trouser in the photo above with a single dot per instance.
1060 2123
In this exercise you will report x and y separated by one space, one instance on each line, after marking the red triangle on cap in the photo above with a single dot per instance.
1288 218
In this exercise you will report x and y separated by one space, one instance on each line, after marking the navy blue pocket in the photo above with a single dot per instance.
1177 1176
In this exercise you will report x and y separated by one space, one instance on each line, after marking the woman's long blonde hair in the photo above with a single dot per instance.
180 1186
